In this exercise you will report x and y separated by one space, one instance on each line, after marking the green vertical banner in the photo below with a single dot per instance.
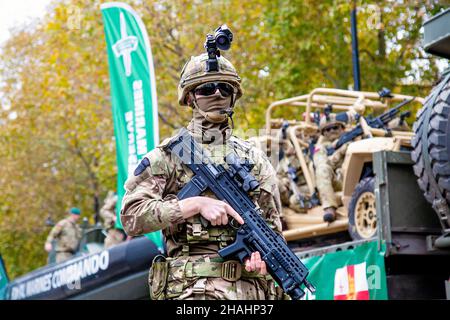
356 274
3 279
133 93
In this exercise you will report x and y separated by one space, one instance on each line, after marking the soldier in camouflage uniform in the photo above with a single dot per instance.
193 268
65 236
108 213
289 159
328 168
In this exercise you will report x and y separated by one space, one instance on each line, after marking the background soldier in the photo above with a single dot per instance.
291 162
66 235
193 268
108 213
328 168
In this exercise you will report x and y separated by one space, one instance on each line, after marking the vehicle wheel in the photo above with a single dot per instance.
362 214
438 137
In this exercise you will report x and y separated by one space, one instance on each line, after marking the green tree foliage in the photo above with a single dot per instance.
59 150
56 132
319 50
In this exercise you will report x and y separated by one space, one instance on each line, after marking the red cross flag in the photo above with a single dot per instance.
350 283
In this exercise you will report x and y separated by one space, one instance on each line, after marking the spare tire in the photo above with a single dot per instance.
433 124
362 214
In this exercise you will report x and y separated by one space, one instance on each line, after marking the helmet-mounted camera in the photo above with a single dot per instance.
221 40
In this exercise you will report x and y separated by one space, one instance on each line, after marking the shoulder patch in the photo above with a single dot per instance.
142 166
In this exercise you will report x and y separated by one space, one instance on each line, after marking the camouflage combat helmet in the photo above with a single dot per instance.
194 74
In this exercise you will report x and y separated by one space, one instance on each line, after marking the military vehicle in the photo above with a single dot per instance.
357 214
412 243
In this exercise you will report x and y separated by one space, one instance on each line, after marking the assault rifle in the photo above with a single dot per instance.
232 186
379 122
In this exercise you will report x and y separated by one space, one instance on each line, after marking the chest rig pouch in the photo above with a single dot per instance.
198 232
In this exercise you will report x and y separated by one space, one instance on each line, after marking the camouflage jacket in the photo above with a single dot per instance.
150 202
320 153
67 235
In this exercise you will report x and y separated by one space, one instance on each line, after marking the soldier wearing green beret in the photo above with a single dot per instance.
65 236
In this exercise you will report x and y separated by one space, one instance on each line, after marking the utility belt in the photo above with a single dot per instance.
169 277
231 270
195 260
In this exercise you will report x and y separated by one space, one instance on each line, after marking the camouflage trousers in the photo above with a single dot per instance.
113 237
62 256
283 186
328 181
196 278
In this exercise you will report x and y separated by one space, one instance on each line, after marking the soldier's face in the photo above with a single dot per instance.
75 217
213 102
333 132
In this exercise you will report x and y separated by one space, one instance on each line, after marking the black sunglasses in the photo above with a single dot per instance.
210 88
335 127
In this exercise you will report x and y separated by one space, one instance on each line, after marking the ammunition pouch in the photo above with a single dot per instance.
158 278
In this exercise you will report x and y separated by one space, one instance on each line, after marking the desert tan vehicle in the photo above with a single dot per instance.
357 212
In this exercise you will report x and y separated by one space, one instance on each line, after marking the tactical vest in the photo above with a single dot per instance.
197 236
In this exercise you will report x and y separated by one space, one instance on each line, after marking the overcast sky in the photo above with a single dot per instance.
13 12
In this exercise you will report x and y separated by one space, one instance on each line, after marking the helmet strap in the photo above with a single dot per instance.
231 113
